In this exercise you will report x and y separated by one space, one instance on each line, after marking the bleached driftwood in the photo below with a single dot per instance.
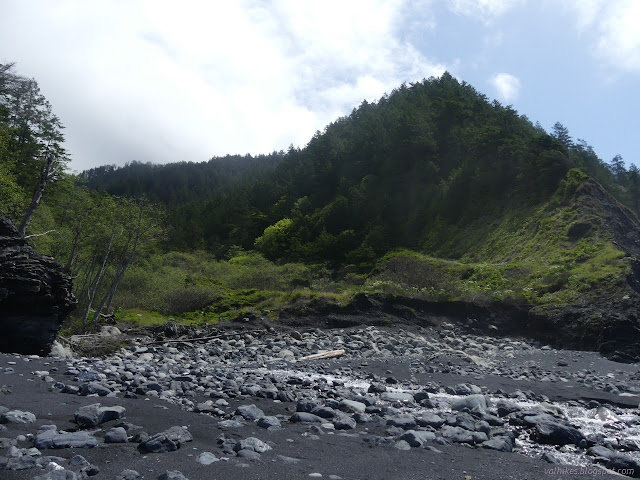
323 355
204 339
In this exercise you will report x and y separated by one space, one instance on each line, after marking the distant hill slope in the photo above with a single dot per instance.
203 199
415 170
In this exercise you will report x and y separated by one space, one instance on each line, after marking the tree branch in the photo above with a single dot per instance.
42 234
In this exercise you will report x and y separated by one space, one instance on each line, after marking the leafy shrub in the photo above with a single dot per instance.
187 299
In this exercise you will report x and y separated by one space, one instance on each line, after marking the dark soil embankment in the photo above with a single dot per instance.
613 332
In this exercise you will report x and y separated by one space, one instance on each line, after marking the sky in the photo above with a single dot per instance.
165 81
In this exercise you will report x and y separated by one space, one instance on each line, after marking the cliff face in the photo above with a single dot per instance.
35 295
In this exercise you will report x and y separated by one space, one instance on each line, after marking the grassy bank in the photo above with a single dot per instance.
551 254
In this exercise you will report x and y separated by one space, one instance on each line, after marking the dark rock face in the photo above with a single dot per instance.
35 295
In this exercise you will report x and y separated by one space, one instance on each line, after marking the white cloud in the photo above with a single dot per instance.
613 27
486 10
164 81
507 86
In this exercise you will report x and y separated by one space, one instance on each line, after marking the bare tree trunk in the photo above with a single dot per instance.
74 252
112 293
37 195
93 288
120 271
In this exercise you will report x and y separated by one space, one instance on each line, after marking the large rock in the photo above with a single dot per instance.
93 415
35 295
166 441
553 431
49 437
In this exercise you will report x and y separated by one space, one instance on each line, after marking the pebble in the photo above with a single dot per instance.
128 475
172 475
207 458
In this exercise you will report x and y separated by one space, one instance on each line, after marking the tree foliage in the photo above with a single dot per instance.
97 237
31 149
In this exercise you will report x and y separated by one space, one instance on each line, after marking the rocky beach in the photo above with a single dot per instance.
431 401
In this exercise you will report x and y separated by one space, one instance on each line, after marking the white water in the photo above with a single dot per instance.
612 423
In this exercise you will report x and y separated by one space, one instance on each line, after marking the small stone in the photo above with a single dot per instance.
231 423
287 460
249 455
78 461
172 475
402 445
128 475
207 458
251 443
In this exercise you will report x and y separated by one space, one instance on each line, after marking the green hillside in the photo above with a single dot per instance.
432 193
427 168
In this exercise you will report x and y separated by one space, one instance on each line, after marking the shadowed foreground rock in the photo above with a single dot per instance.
35 295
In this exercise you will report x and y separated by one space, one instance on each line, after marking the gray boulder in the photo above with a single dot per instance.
17 417
417 438
249 412
553 432
93 415
404 421
49 437
352 406
251 443
166 441
116 435
304 417
460 435
476 401
269 422
430 420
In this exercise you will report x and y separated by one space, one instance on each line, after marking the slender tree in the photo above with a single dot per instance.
634 184
32 144
618 168
561 133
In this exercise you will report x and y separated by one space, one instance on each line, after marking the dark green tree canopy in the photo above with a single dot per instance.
406 171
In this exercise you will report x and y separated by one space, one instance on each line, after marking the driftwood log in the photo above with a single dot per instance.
323 355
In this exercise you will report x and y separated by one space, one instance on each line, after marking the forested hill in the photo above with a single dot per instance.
416 169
